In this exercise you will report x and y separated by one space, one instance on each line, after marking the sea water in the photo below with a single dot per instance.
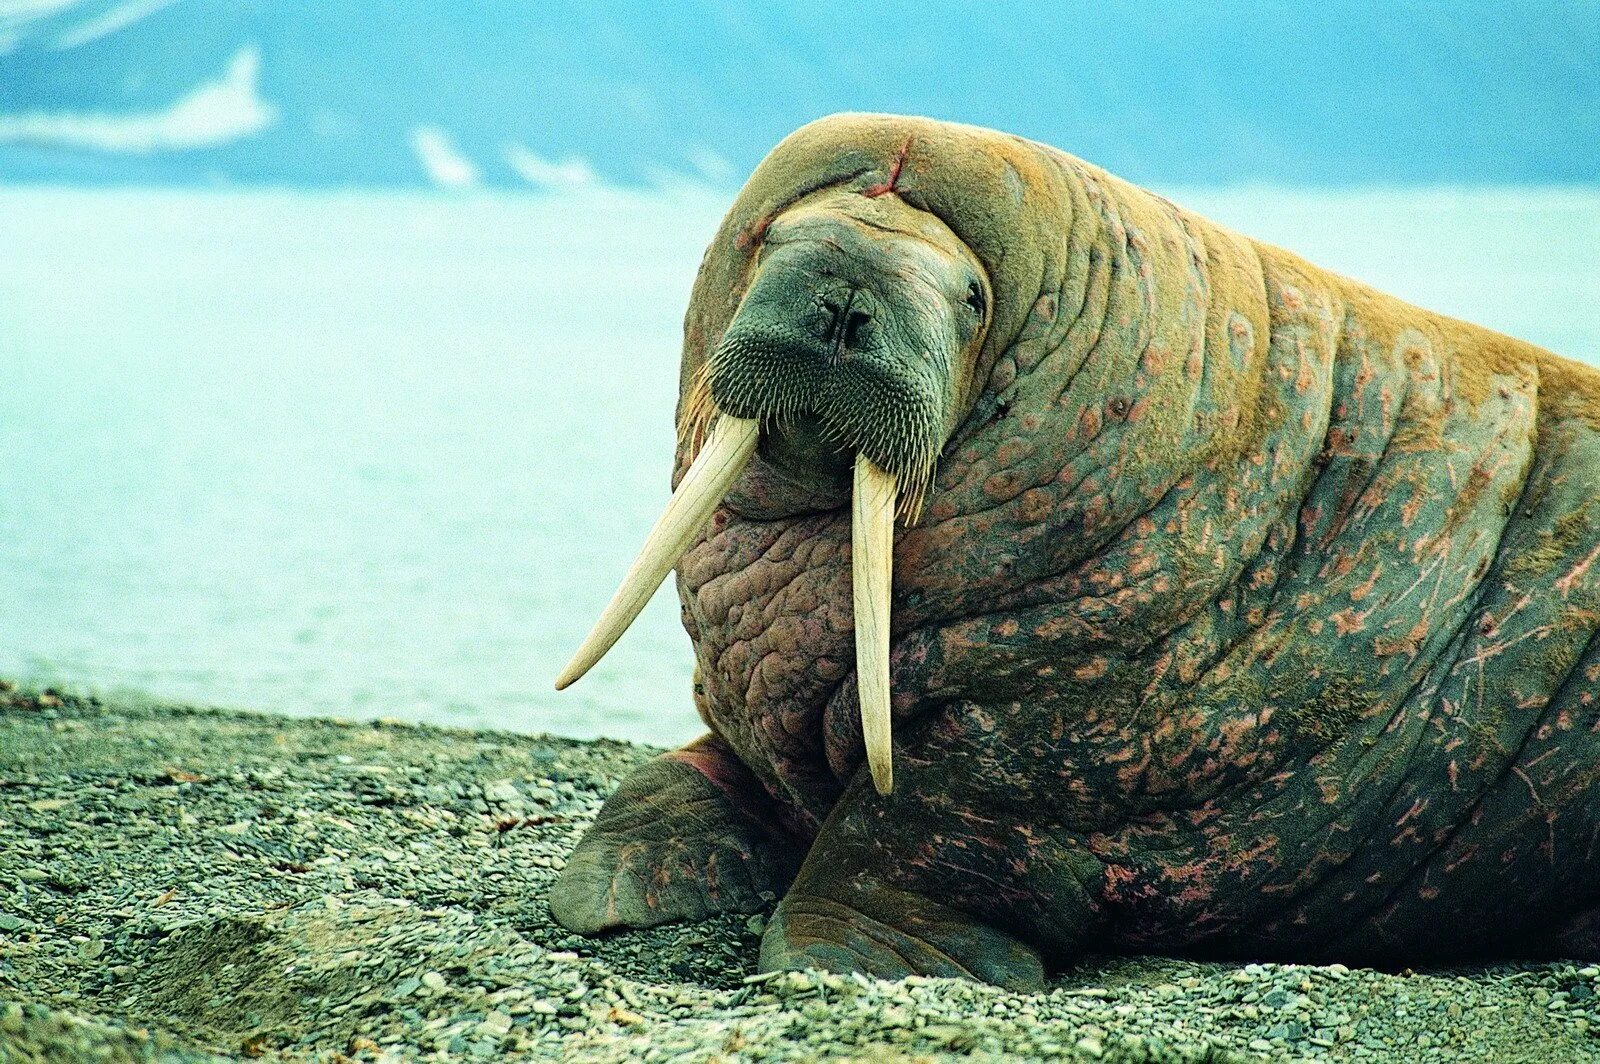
388 455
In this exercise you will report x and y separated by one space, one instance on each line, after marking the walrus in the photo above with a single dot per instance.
1067 573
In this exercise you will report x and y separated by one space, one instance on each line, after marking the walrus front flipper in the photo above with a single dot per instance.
916 882
891 934
679 840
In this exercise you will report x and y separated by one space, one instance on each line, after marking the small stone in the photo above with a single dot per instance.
1292 1031
502 791
1091 1047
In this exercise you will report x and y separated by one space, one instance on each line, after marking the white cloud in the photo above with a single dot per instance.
445 166
20 12
571 172
17 19
216 112
713 166
109 22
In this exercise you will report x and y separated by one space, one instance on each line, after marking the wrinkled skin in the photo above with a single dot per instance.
1251 613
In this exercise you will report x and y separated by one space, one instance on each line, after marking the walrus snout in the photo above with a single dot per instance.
861 325
798 354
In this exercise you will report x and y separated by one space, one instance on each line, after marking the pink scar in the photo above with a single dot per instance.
874 191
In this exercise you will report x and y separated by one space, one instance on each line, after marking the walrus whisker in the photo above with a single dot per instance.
698 412
727 449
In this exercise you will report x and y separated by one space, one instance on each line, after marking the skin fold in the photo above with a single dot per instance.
1248 612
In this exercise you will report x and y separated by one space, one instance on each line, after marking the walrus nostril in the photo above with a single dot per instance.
853 324
834 313
842 325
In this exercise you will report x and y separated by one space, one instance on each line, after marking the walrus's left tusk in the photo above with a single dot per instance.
725 453
872 561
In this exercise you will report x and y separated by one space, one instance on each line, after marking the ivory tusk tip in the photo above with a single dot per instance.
578 668
883 778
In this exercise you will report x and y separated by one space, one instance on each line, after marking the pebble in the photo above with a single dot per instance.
502 791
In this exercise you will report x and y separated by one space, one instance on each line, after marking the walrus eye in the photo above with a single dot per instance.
975 298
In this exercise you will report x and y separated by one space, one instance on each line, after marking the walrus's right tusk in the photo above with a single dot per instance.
725 453
872 561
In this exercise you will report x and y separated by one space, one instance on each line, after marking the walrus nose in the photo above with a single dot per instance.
845 322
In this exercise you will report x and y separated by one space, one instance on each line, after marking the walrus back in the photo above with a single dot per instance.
1441 601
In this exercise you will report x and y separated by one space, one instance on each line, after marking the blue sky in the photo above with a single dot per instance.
343 92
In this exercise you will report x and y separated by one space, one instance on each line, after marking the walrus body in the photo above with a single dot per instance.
1250 612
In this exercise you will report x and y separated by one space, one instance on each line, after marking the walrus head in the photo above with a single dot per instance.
854 346
856 337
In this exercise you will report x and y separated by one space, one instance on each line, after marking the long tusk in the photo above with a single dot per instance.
725 453
872 554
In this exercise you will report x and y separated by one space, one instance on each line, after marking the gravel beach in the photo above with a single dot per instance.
195 885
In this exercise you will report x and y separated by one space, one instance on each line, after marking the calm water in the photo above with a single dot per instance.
388 455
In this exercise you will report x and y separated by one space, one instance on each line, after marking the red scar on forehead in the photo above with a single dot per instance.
874 191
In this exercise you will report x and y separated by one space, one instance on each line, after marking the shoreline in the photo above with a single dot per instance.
204 884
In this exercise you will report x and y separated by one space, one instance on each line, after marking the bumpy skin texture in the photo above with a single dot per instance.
1252 612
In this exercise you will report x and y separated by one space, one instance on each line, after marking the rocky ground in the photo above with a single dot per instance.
196 885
